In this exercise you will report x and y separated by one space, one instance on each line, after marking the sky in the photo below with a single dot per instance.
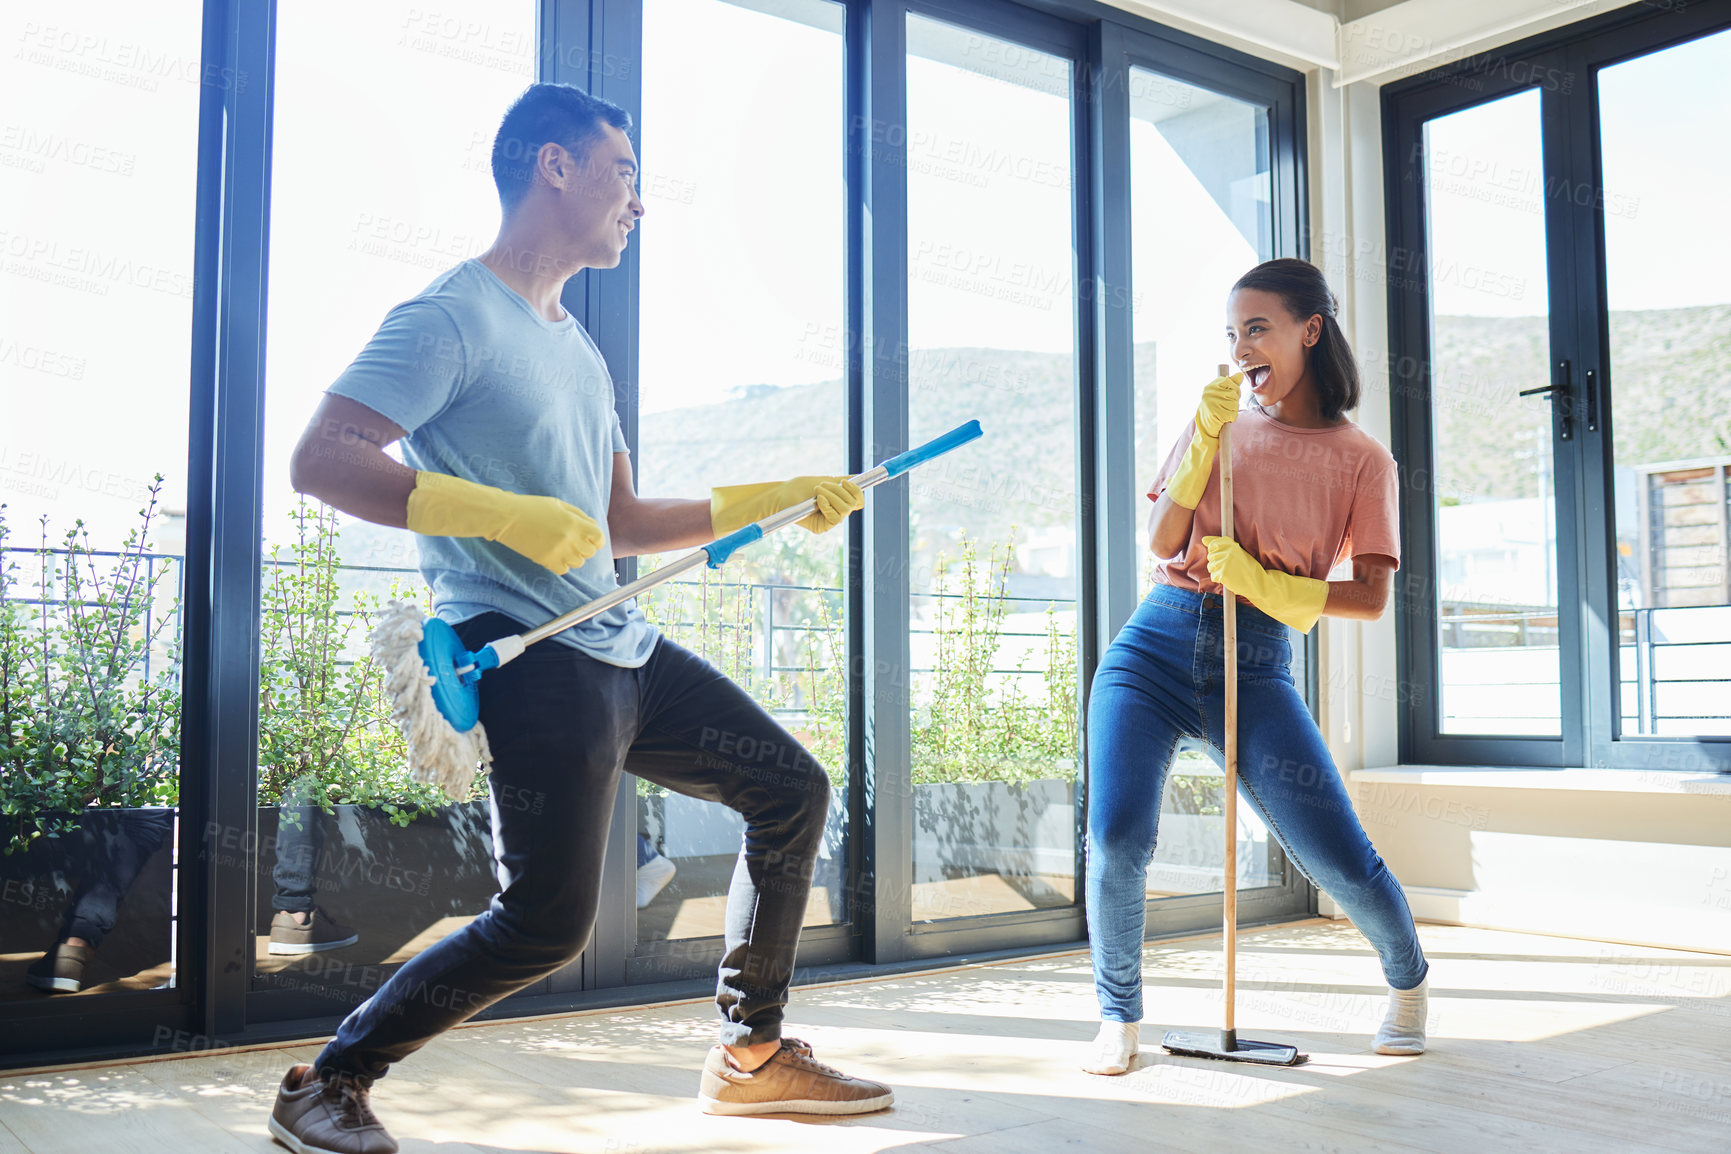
380 182
1665 174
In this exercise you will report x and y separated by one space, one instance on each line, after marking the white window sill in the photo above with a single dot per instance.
1577 780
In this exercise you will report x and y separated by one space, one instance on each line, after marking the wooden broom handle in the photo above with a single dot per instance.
1229 614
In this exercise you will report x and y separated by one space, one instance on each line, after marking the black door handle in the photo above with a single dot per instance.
1559 390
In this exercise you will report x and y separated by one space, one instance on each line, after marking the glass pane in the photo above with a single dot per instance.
1670 316
389 865
993 549
1199 182
1492 478
98 162
740 380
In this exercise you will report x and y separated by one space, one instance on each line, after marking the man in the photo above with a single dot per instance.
518 483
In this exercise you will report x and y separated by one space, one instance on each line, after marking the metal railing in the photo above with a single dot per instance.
1514 628
1647 683
773 628
1460 627
168 564
1465 629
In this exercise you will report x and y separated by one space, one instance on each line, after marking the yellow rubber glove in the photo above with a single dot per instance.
1218 408
736 506
544 529
1286 597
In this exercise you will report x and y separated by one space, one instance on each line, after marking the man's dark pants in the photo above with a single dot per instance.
561 726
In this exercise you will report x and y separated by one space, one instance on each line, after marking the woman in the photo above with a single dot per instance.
1310 489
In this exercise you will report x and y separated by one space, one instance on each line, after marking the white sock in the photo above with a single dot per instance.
652 875
1114 1048
1403 1029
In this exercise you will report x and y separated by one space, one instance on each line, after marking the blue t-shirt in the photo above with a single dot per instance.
489 390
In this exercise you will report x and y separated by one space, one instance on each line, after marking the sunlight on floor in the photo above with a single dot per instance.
1536 1043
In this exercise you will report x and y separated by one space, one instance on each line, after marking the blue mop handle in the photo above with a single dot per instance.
936 447
717 552
723 548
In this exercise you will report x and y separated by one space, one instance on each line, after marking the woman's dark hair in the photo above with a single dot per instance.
1304 293
547 113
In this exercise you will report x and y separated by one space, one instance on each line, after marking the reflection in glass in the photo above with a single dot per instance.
741 359
98 161
1199 181
993 550
1670 314
1491 476
358 869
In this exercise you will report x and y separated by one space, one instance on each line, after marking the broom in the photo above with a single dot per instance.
1226 1044
432 680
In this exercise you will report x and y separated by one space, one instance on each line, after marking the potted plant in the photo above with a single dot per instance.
89 744
994 767
340 822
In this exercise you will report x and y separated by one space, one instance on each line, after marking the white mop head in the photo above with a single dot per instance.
438 754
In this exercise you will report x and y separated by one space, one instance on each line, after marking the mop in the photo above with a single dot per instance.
432 680
1226 1044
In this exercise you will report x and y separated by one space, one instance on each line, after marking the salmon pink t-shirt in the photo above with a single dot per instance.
1303 500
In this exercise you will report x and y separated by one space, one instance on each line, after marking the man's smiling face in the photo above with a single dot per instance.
598 204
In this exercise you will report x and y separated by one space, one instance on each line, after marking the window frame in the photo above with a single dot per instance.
1282 93
595 43
1565 64
1102 44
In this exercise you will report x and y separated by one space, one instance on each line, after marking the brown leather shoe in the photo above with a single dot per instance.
329 1115
60 970
320 932
791 1082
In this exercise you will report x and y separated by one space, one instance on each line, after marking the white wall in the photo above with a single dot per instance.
1622 856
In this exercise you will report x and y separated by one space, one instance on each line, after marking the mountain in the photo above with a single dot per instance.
1671 399
1670 395
1022 472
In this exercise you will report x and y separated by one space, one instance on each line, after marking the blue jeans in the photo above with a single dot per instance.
1162 681
300 841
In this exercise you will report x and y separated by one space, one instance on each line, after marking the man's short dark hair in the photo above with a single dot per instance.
547 113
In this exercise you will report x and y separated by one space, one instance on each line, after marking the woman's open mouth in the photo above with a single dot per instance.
1257 375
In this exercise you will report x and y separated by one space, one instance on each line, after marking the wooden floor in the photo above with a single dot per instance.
1538 1044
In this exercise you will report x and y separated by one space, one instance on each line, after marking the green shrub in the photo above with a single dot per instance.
325 737
81 726
976 724
970 724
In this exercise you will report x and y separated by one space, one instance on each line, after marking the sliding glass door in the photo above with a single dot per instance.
991 334
1564 421
353 868
1492 489
97 166
867 222
1202 216
1210 172
740 379
1668 330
